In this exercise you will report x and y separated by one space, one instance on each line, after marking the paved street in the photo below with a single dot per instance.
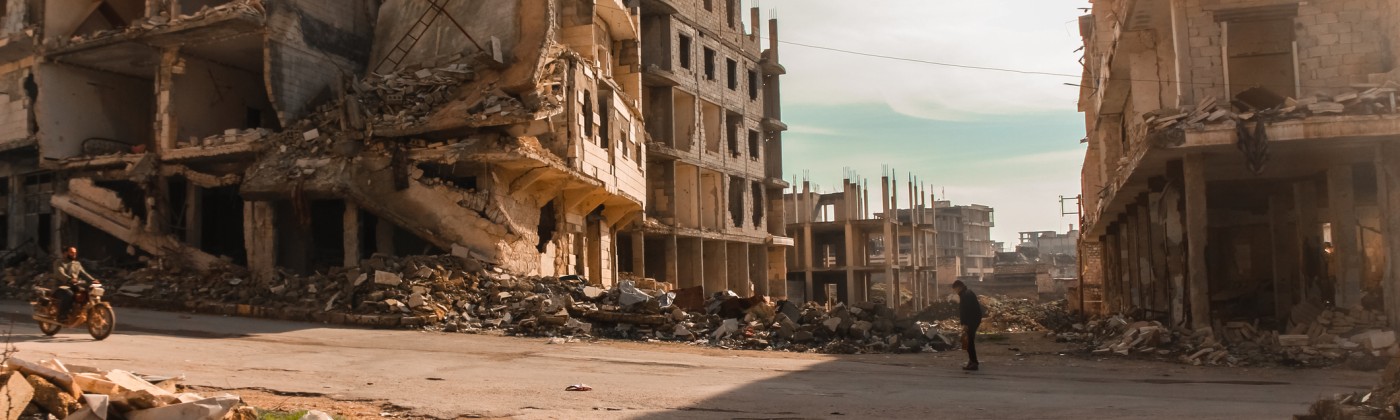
450 375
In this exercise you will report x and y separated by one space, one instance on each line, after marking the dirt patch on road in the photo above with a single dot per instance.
291 402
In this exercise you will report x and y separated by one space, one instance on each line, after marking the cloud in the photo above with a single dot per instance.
812 130
1016 34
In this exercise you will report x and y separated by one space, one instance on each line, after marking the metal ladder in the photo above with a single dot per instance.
415 33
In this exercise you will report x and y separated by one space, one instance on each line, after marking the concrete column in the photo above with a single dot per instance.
1174 223
194 214
1309 238
384 238
1283 251
715 262
16 210
1161 281
260 237
1197 224
165 131
1341 199
639 254
855 292
737 265
351 239
1146 264
1388 195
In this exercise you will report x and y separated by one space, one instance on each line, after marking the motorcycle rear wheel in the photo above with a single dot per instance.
101 322
49 329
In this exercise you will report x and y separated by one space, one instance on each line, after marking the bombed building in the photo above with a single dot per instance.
847 251
1241 159
298 135
714 163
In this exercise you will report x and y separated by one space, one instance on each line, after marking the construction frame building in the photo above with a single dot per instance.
714 175
1241 158
844 252
965 246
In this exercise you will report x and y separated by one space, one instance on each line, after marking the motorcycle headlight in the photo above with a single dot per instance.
98 291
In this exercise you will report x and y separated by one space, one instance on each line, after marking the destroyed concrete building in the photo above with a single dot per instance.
302 134
1043 266
844 252
1241 160
965 246
714 171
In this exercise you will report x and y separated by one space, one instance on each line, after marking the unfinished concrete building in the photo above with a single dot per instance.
303 135
1242 158
714 175
844 252
965 246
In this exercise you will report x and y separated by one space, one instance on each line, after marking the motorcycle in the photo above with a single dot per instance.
88 309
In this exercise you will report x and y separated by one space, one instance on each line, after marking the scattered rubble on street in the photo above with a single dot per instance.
1380 402
72 392
1322 336
456 294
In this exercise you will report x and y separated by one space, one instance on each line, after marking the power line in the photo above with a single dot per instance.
1018 71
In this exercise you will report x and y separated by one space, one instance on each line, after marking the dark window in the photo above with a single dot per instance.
733 69
733 133
709 5
709 64
753 144
753 85
587 114
603 126
685 52
732 12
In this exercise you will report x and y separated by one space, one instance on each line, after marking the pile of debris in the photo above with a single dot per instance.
252 8
1381 402
1320 336
1377 96
71 392
407 97
229 136
459 294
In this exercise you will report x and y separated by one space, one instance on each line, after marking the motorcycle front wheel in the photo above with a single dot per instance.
101 322
49 329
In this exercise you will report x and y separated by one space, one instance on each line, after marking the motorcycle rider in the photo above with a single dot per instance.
70 274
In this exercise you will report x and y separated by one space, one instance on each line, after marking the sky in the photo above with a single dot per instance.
1006 140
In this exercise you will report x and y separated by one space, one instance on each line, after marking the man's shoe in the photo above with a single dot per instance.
970 366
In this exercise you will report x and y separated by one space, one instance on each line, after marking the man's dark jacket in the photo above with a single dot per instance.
969 309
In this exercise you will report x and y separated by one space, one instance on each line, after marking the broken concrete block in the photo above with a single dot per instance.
207 409
50 398
861 329
1293 340
416 300
727 328
832 323
15 395
630 295
94 407
387 278
316 415
313 134
593 292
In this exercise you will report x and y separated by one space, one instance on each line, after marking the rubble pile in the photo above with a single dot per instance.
252 8
1004 315
50 387
1376 96
1319 336
229 136
407 97
456 294
1381 402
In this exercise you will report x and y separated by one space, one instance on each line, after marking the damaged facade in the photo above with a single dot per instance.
714 168
843 253
1242 159
299 135
965 246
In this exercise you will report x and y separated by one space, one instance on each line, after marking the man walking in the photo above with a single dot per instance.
970 316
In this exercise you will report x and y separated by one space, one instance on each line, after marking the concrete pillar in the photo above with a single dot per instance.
639 255
855 292
166 126
1174 227
384 237
1309 239
1282 253
351 239
1161 281
194 214
1388 195
1197 224
1341 199
716 273
17 231
260 238
737 267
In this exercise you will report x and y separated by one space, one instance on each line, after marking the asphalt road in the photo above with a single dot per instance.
452 375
